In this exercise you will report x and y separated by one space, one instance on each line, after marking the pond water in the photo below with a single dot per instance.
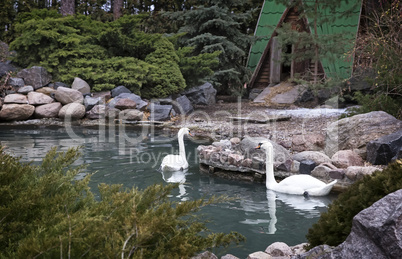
132 156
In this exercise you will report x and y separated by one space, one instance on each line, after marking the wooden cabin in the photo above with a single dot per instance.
266 53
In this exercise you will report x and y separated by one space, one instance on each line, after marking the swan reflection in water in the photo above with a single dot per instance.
177 177
308 207
304 205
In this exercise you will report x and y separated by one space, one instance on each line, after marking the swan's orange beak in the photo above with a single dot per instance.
258 147
189 133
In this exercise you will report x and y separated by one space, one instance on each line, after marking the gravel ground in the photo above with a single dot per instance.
214 122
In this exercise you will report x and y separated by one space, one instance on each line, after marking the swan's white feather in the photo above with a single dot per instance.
296 184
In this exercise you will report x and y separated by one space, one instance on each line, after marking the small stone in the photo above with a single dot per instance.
306 166
346 158
278 249
235 141
337 174
259 255
16 98
25 89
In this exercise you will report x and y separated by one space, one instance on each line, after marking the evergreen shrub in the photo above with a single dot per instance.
334 226
46 211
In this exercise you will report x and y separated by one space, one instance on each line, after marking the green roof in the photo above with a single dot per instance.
270 15
346 19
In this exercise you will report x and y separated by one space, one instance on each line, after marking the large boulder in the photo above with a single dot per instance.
346 158
16 98
6 67
16 82
90 102
119 90
97 112
15 112
35 76
35 98
382 150
182 105
141 104
125 103
376 231
201 95
160 112
81 86
67 95
315 156
72 111
355 132
131 115
312 142
50 110
279 249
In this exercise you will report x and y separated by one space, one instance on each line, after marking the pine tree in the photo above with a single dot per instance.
45 211
214 26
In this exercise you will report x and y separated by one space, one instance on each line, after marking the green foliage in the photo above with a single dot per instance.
166 78
377 102
214 26
334 225
380 48
45 211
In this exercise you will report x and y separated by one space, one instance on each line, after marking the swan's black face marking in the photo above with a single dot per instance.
259 145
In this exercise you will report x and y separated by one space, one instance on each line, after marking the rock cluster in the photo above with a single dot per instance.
342 159
32 95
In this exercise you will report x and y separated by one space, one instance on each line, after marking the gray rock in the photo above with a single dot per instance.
205 255
131 115
90 102
282 158
355 173
125 103
160 112
201 95
112 113
58 84
305 96
104 96
306 166
35 98
35 76
346 158
16 82
5 68
68 95
16 112
321 172
81 86
46 90
223 143
259 255
318 252
355 132
25 89
381 151
278 249
50 110
141 104
16 98
316 156
72 111
229 256
119 90
310 142
376 231
97 112
182 105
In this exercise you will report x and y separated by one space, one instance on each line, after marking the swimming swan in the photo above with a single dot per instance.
296 184
171 163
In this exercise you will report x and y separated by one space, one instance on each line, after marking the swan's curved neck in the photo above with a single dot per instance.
270 178
182 150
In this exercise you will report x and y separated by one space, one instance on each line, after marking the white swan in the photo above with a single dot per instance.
171 163
296 184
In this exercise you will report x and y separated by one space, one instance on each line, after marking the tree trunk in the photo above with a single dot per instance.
117 9
67 7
